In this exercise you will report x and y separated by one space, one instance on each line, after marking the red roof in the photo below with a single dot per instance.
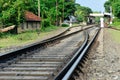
29 16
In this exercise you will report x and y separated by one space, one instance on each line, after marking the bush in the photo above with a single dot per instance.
65 25
48 28
116 20
5 35
80 18
116 23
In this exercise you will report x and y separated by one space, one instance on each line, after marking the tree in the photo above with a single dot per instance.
82 12
115 4
39 8
116 9
12 11
107 6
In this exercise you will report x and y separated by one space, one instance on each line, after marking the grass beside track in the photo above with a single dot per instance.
10 40
116 25
115 35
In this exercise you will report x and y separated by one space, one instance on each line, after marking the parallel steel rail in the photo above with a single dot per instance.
24 50
10 57
67 71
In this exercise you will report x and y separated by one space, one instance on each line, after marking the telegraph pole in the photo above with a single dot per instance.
39 8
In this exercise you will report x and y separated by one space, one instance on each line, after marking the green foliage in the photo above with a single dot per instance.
29 37
115 35
115 4
4 35
47 29
8 39
80 18
52 11
97 20
46 23
116 23
12 11
107 6
82 12
116 9
116 19
55 10
65 25
25 36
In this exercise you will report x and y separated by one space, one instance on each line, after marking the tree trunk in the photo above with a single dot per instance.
39 8
56 13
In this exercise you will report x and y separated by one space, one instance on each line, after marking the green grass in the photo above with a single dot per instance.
115 35
47 29
76 24
116 25
7 40
15 40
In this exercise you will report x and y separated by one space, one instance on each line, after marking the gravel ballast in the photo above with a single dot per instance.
104 61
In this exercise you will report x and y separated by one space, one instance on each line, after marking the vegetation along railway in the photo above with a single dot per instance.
52 59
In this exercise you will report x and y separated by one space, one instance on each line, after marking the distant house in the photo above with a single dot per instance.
32 22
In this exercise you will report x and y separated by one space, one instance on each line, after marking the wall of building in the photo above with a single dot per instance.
26 26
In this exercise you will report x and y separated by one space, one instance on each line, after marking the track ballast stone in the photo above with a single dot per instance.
104 61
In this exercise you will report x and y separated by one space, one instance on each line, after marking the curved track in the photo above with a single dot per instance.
79 56
41 61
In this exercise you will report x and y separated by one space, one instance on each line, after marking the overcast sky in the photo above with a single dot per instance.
95 5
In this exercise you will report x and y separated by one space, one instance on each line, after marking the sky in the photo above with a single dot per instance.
95 5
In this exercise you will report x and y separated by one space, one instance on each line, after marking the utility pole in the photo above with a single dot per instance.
39 8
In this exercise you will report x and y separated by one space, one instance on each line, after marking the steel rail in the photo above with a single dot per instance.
71 62
4 57
69 73
9 57
66 73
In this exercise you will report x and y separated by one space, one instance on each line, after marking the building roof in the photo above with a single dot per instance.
29 16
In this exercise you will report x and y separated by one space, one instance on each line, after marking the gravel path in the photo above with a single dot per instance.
112 54
104 61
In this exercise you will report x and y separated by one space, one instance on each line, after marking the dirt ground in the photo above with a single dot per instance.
104 61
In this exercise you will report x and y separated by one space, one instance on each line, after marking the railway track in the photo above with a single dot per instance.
67 73
65 32
44 60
